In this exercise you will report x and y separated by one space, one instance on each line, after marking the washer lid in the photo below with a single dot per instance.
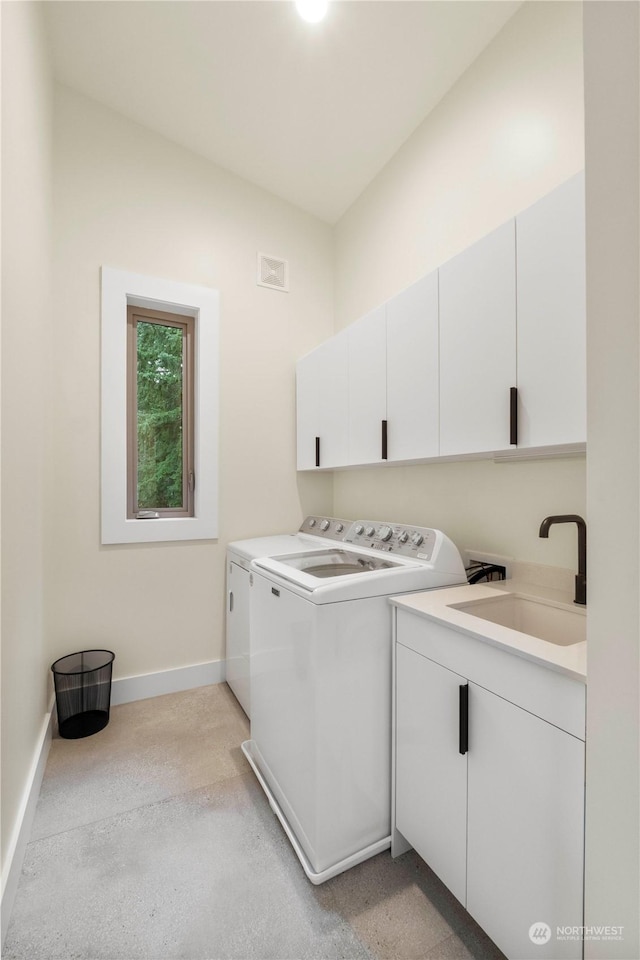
333 575
323 564
338 571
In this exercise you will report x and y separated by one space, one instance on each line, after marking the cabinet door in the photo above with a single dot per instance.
552 318
526 827
322 403
478 345
367 386
307 409
431 774
412 371
238 634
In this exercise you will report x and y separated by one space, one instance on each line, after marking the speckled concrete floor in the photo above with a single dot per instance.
152 840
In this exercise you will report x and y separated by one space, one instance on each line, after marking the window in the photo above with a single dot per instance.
159 409
160 466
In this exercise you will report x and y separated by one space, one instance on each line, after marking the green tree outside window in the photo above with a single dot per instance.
160 415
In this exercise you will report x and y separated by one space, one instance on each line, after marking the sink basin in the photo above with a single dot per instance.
537 618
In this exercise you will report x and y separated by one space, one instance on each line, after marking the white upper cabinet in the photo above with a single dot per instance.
412 372
307 385
322 404
485 355
551 312
478 344
367 386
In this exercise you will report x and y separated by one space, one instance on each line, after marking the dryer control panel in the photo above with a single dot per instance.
415 542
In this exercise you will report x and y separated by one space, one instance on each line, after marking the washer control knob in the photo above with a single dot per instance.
359 529
312 522
325 525
416 539
385 533
404 536
339 527
370 531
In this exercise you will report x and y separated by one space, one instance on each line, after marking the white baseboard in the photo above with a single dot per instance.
127 689
124 690
22 829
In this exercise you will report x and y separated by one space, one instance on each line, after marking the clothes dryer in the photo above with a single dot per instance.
313 531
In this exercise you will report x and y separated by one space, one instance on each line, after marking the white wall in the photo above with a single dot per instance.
26 368
509 131
131 199
612 890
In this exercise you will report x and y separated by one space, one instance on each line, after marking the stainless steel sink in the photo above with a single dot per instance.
562 626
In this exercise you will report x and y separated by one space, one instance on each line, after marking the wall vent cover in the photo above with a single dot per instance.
273 272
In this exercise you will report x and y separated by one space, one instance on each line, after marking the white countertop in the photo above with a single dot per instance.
437 605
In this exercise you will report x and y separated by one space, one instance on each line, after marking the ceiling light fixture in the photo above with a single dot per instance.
312 10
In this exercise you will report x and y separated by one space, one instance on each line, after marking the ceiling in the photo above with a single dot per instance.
311 112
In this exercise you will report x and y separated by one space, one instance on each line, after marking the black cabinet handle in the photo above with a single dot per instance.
317 451
464 717
384 439
513 416
231 601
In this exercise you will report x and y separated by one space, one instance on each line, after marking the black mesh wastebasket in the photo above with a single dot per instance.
83 692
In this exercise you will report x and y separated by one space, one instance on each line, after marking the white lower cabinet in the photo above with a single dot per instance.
499 818
433 819
525 827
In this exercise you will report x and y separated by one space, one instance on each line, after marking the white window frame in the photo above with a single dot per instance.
119 290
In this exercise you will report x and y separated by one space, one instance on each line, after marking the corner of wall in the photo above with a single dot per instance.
26 332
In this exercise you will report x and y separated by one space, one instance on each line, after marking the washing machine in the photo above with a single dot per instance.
321 656
240 553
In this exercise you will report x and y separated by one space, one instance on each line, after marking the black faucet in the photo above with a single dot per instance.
581 577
